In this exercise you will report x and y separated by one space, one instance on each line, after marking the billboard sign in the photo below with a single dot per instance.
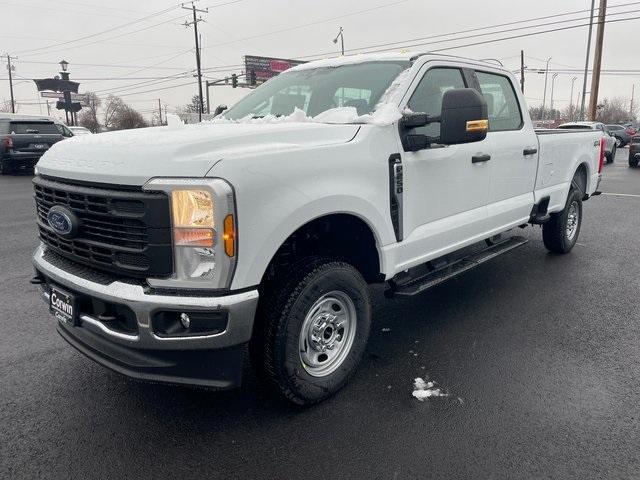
267 67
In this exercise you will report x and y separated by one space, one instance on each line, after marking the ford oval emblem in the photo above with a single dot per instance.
62 221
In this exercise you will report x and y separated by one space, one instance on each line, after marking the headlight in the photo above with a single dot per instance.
204 232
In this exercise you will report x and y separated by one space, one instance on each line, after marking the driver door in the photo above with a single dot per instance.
445 187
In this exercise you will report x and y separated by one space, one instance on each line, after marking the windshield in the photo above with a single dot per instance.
320 89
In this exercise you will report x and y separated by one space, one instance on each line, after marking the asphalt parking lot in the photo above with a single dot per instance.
539 355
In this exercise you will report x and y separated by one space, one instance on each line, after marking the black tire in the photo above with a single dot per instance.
275 346
612 156
633 162
555 231
620 142
5 169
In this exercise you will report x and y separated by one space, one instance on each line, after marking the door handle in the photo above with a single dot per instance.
529 151
480 158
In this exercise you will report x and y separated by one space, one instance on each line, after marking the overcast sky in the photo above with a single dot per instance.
129 60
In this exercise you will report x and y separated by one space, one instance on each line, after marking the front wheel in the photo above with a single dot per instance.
313 329
633 162
619 142
561 232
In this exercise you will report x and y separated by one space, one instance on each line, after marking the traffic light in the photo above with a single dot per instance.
252 78
234 80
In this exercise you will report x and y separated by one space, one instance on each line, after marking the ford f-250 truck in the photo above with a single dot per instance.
165 252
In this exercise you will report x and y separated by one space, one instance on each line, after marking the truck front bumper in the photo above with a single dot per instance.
147 345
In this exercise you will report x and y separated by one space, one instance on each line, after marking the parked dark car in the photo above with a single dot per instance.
621 134
634 151
23 140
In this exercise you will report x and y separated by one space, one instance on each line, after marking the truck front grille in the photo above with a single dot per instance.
122 232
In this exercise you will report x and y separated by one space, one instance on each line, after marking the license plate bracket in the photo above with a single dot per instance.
63 305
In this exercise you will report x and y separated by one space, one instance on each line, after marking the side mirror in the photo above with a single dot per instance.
219 109
414 120
464 117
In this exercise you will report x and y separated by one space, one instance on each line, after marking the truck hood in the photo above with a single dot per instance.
132 157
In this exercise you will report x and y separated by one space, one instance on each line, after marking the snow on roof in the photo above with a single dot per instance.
404 56
353 59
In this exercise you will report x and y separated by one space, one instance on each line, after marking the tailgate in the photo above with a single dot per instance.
33 143
33 136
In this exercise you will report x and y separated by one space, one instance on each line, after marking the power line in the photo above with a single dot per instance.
112 29
297 27
173 19
403 43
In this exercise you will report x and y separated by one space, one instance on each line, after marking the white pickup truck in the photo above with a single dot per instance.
165 252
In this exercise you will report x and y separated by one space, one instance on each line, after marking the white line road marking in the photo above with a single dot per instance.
621 195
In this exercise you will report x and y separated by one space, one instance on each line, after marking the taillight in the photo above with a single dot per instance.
8 143
631 131
601 159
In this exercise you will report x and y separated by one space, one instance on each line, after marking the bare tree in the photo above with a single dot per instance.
614 111
193 106
5 106
111 108
549 114
89 116
127 118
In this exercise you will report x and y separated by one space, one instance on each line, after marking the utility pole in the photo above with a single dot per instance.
160 111
522 70
586 65
544 97
197 38
10 69
597 61
633 92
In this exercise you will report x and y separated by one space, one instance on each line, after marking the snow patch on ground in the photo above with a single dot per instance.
423 390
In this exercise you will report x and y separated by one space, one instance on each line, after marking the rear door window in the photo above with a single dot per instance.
502 102
33 128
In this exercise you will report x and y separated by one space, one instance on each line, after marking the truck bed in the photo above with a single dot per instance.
560 153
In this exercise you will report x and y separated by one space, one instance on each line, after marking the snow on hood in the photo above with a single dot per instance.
132 157
385 114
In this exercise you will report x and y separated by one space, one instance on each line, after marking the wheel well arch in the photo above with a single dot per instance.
343 236
581 177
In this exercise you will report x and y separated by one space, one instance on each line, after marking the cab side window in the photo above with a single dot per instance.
427 98
502 102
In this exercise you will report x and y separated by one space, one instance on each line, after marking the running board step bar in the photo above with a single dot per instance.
442 274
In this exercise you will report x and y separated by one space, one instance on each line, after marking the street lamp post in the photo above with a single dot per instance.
64 75
571 112
553 84
341 37
544 97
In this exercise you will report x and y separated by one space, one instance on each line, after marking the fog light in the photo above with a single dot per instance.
185 320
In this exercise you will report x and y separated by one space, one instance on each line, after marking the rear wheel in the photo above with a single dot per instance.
633 162
612 156
619 142
561 232
314 329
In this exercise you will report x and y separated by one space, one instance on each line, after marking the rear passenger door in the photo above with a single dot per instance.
514 157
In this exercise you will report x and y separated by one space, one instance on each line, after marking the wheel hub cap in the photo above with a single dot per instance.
327 334
573 218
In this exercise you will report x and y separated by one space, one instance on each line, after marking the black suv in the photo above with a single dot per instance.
23 140
634 151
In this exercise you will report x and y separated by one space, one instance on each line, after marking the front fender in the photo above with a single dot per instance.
251 270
